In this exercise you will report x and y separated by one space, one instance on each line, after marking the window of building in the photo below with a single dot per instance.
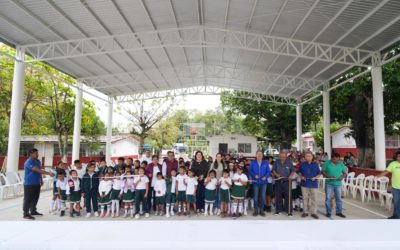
244 147
25 147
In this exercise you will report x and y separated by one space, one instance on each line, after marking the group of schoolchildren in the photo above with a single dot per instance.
132 189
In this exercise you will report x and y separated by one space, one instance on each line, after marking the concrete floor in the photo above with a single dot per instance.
11 210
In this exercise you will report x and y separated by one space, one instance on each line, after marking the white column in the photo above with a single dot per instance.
109 131
379 119
76 142
327 122
299 126
17 99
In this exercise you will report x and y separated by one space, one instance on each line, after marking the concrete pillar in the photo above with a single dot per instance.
109 131
76 142
327 123
379 119
299 126
17 99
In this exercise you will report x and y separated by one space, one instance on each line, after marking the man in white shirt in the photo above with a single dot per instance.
146 157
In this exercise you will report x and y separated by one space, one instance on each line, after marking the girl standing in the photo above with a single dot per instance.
61 187
73 191
238 191
115 194
105 187
210 194
181 190
127 192
141 185
225 184
159 190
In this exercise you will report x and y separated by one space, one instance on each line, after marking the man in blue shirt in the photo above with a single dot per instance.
259 172
32 183
309 173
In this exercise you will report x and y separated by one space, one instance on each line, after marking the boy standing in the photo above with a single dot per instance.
90 187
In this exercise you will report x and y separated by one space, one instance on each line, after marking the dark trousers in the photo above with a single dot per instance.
31 198
282 200
91 199
151 199
200 195
139 197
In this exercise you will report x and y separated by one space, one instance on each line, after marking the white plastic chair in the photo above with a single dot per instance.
12 180
358 185
380 187
5 187
348 183
388 197
367 187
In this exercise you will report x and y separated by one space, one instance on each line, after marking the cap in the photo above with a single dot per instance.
33 150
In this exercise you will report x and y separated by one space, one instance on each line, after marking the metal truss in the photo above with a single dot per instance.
197 36
206 90
196 73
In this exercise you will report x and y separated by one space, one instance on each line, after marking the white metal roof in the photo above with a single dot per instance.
285 49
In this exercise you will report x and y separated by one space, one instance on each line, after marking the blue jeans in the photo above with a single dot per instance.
396 201
331 190
259 193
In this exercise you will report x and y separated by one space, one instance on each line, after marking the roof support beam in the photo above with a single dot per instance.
198 36
206 90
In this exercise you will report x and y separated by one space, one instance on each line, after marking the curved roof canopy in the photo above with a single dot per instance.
280 50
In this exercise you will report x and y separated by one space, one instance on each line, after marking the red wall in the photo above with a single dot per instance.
354 151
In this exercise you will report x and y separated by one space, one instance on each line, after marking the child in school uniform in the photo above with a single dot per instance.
115 194
297 201
105 187
238 192
191 188
141 185
181 190
90 189
160 188
210 192
232 169
225 184
128 193
61 185
73 191
55 201
170 196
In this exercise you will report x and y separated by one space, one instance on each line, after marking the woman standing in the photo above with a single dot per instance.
218 166
200 168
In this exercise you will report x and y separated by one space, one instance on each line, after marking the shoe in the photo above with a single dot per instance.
341 215
36 213
161 214
62 213
211 213
219 212
96 214
137 216
315 216
393 217
262 214
245 212
234 215
146 215
205 214
255 213
78 213
167 215
328 215
301 210
88 215
71 215
112 215
277 213
29 217
268 210
304 215
239 214
289 215
172 213
156 213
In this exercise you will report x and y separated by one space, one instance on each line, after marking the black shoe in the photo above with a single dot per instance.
301 210
262 214
36 213
290 215
341 215
29 217
328 215
276 213
78 213
71 215
234 215
239 214
255 213
268 210
393 217
62 213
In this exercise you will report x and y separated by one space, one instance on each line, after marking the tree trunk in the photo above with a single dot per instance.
141 143
60 144
64 155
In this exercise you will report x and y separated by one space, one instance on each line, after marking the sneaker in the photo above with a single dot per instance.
328 215
36 213
146 215
137 216
219 212
315 216
234 215
71 215
277 213
304 215
88 215
268 210
341 215
262 214
96 214
255 213
167 215
290 215
239 214
29 217
211 213
156 213
172 213
205 214
62 213
245 212
301 210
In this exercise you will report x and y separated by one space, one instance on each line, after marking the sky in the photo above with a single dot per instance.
190 102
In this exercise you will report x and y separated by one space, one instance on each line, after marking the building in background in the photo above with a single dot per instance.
121 146
233 144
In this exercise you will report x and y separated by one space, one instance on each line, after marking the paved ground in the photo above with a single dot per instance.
11 210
